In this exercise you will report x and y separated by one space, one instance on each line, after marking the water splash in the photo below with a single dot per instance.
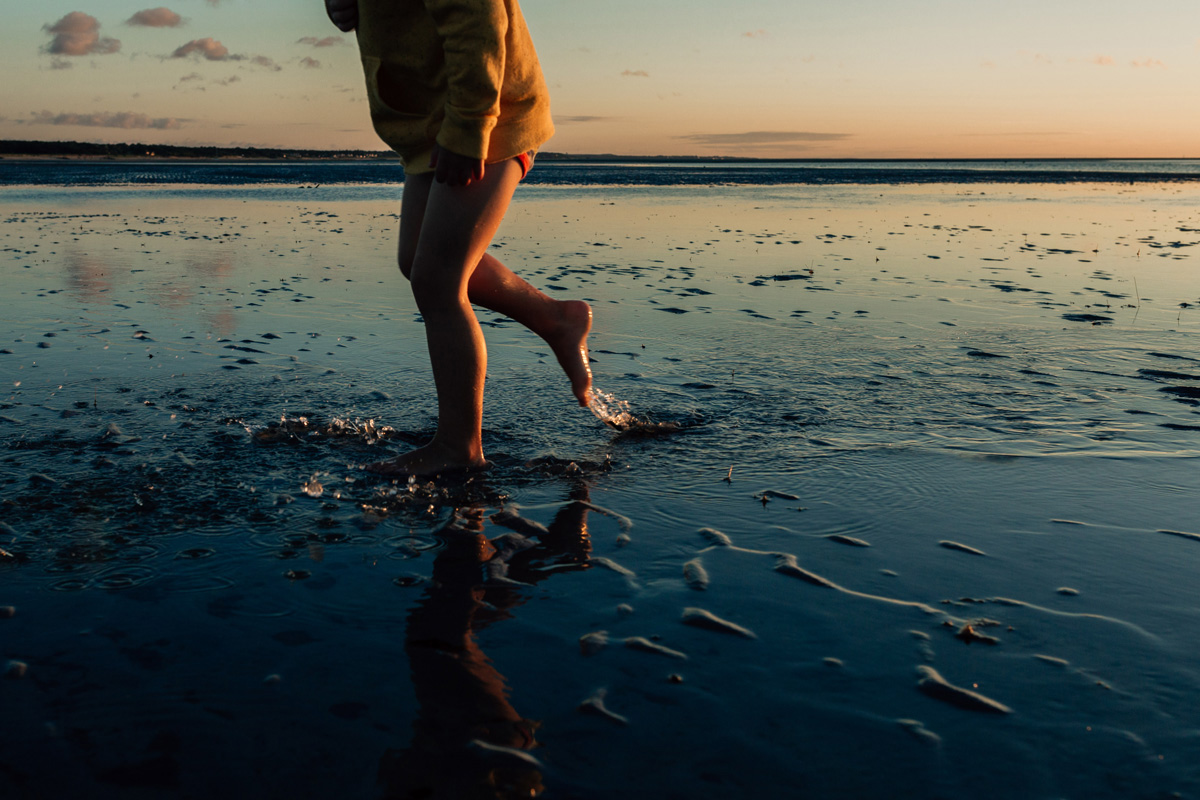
615 413
612 411
302 427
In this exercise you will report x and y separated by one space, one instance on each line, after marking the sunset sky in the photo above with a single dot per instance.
855 78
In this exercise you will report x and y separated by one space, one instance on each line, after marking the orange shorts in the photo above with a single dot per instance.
420 165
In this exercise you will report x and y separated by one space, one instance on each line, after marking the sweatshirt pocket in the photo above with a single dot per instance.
395 94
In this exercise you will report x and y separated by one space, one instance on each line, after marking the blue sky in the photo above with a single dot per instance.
857 78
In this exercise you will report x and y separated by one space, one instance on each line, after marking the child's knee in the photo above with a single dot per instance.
432 290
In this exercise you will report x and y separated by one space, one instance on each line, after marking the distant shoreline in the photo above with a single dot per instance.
18 150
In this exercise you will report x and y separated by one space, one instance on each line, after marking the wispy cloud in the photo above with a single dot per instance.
195 82
105 119
156 18
1025 134
763 138
310 63
1103 61
328 41
78 34
579 119
263 61
1148 63
209 48
635 73
758 34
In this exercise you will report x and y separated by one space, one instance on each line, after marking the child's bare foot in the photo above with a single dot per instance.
424 461
569 343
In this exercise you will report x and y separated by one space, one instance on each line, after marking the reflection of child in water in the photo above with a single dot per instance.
468 739
455 88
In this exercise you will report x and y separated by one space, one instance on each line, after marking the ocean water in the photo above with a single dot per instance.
927 451
241 175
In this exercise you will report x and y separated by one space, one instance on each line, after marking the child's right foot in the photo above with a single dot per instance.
423 462
569 343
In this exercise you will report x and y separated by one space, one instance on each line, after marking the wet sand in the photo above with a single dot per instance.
878 511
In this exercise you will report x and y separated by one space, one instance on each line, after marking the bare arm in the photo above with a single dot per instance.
343 13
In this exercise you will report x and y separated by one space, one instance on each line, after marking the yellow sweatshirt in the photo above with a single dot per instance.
462 73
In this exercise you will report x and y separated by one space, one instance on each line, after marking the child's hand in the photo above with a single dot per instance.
454 170
344 13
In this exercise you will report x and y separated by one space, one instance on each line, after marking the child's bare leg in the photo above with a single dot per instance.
563 324
457 225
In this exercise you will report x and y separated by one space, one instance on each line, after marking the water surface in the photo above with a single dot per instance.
969 413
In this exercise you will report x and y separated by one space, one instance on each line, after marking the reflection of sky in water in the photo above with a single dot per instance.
899 359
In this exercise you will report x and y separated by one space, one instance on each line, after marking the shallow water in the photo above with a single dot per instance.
952 405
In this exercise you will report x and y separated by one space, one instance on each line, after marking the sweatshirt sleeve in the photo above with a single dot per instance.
473 37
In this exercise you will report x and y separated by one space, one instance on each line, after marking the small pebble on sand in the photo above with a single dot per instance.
646 646
962 548
592 643
595 705
785 563
699 618
919 731
933 684
608 563
695 576
715 537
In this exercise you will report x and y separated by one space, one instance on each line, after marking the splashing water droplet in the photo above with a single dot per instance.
611 410
313 488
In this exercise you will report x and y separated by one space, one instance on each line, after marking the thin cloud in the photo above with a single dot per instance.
758 34
103 119
60 63
328 41
762 138
635 73
1103 61
310 63
579 119
156 18
195 82
263 61
1025 134
1148 63
209 48
78 34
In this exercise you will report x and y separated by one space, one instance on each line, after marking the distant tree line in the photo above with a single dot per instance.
14 147
133 150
